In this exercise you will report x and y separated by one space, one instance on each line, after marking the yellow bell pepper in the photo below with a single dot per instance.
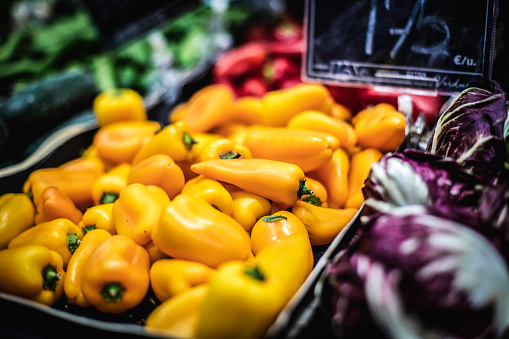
274 228
224 149
334 176
169 277
360 165
75 269
307 149
116 275
107 187
119 142
74 178
154 253
211 191
55 204
248 208
60 235
201 139
17 214
381 127
319 196
208 107
191 229
323 224
175 140
99 217
178 316
33 272
158 170
322 122
340 111
118 104
279 106
244 298
275 180
137 211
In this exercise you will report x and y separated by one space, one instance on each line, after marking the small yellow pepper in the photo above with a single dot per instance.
119 142
248 208
244 298
334 176
191 229
75 269
33 272
279 106
118 104
200 140
178 316
107 187
381 127
307 149
169 277
360 165
74 178
321 122
224 149
340 111
137 211
323 224
116 275
273 228
319 196
60 235
175 140
275 180
17 214
158 170
208 107
55 204
211 191
100 217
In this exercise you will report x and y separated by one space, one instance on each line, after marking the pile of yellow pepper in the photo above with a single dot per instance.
216 211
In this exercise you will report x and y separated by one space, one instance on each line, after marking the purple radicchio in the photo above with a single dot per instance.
416 177
474 130
413 273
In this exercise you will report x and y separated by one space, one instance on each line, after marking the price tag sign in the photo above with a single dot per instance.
430 46
123 20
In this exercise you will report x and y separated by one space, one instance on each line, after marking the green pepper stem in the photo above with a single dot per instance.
273 218
313 200
50 277
113 292
230 155
73 242
109 197
188 141
88 228
255 273
303 190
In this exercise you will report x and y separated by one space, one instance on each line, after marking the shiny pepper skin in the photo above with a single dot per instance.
75 269
169 277
211 191
55 204
158 170
224 149
275 180
175 140
360 166
33 272
60 235
119 142
307 149
323 224
116 275
99 217
248 208
17 213
191 229
137 211
118 104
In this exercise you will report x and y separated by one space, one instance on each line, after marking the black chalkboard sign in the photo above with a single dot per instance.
436 46
123 20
